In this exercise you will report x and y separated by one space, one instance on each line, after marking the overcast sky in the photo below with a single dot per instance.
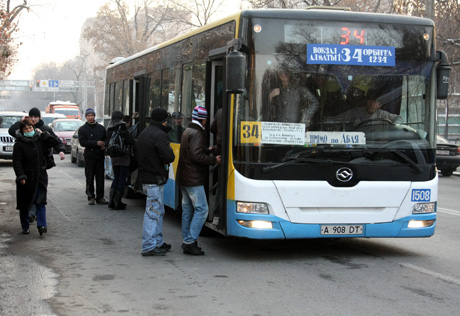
50 32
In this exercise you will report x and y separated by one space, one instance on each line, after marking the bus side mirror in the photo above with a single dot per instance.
442 75
236 71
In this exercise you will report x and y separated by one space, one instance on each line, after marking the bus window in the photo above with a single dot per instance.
126 97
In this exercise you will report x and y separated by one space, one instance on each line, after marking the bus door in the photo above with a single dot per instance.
139 118
217 181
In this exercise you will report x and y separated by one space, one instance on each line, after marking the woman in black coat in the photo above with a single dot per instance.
30 169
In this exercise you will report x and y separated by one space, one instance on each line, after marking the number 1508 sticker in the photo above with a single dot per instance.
421 195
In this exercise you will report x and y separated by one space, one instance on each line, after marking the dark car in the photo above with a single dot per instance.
76 151
447 156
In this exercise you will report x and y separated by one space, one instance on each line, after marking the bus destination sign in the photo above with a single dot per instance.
351 55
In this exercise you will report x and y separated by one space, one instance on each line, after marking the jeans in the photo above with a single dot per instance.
194 212
152 235
40 209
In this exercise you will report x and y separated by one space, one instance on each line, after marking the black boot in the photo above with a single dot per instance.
117 201
112 198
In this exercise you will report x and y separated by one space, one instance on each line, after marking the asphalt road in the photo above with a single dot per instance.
89 263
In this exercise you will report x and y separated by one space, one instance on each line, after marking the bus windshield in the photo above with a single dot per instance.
336 86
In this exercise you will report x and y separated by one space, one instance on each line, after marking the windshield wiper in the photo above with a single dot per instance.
296 159
412 163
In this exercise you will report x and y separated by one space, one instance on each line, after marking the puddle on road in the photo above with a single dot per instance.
25 285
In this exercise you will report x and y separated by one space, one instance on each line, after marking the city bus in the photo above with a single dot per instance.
301 166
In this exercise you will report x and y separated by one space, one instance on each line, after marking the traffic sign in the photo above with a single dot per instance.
53 83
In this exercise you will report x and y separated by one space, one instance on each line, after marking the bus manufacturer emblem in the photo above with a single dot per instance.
344 174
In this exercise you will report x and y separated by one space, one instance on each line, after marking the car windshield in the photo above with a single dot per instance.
8 120
67 126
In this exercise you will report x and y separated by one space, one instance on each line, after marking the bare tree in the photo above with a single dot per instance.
195 13
9 18
117 33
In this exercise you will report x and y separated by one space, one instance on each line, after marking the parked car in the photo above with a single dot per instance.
8 118
48 118
76 151
64 129
447 156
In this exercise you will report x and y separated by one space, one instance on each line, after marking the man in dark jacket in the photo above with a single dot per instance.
92 136
194 160
154 154
35 116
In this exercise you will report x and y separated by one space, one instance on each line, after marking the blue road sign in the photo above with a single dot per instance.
53 83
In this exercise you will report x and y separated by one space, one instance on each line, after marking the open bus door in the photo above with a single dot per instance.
217 185
138 108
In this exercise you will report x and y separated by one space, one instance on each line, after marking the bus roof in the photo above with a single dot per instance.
313 13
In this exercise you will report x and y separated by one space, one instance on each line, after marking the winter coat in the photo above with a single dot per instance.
128 140
154 154
88 136
59 147
194 157
29 164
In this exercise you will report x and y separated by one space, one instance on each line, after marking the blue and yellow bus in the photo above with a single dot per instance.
328 128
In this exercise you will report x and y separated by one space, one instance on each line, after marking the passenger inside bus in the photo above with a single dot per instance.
175 134
291 102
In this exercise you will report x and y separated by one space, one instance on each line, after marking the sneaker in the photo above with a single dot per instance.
165 246
91 201
192 249
157 251
31 218
102 201
26 232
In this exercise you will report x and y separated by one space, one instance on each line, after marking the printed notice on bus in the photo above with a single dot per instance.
335 138
272 133
351 55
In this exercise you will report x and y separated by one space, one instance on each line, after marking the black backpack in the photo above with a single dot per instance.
117 146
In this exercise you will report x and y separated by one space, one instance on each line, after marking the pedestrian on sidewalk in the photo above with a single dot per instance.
29 165
92 135
154 155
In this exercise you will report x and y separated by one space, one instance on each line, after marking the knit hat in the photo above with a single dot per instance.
35 112
177 115
89 111
159 115
199 113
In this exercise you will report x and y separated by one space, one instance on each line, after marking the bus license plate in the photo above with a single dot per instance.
341 229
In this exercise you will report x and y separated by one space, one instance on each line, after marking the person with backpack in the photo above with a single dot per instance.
92 135
118 144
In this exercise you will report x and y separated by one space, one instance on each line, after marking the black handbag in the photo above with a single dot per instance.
49 159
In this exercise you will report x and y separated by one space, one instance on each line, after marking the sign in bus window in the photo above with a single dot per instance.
351 55
272 133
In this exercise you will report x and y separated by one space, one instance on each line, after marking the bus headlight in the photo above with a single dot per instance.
420 224
256 224
424 208
251 208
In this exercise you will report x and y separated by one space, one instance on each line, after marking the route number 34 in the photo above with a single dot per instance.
250 132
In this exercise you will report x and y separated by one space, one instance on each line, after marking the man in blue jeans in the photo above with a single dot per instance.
154 154
194 159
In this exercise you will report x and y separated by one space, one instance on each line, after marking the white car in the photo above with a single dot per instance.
8 118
